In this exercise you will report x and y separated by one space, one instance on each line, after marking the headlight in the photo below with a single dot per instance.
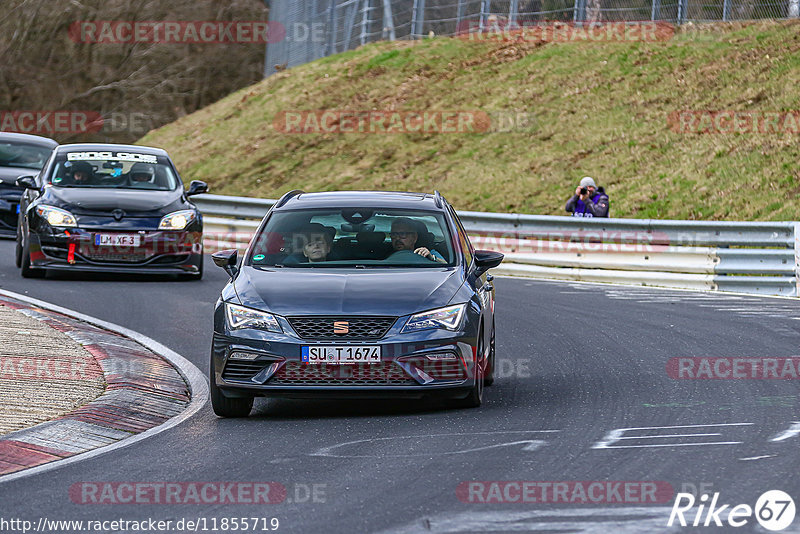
177 220
448 318
241 317
56 216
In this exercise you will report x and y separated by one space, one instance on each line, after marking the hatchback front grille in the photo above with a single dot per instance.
109 257
362 374
341 327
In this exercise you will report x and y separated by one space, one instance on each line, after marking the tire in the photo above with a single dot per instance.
475 397
25 264
488 379
18 250
228 407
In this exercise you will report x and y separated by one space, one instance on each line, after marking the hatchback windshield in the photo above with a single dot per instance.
354 237
110 170
27 156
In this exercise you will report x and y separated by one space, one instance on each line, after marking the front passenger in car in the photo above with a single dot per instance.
314 242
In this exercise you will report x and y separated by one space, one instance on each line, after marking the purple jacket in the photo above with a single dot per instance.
598 207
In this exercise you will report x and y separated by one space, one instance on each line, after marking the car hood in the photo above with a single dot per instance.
301 291
9 175
84 200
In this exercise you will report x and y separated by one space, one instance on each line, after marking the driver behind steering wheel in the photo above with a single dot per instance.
404 237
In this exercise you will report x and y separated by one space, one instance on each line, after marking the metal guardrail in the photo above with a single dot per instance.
746 257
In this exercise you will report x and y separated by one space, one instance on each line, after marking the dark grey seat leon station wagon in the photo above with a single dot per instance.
358 294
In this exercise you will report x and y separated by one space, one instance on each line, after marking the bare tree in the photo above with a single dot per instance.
145 85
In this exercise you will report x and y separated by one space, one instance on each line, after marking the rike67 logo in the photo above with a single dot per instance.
774 510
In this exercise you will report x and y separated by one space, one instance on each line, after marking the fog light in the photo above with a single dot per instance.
441 356
242 356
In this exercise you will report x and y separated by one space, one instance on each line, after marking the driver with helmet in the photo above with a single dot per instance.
142 174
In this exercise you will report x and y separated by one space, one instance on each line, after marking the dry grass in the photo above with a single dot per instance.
601 109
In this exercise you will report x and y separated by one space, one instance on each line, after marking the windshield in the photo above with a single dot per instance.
114 170
353 237
24 155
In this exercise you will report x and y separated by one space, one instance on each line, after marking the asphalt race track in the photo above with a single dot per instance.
577 362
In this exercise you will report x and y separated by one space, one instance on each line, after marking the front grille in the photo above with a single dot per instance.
242 370
327 327
136 256
375 374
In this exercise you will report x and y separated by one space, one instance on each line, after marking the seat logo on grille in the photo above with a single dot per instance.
341 327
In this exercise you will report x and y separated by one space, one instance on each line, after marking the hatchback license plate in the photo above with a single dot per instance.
342 354
117 240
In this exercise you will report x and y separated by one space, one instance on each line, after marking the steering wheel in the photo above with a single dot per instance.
406 256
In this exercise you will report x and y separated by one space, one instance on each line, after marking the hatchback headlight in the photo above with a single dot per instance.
177 220
241 317
56 216
448 318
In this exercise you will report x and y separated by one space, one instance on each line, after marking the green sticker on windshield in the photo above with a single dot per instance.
56 180
258 257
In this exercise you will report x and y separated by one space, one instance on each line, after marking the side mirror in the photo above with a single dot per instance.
227 259
487 259
28 182
197 187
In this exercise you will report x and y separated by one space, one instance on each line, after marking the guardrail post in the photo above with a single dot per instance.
797 258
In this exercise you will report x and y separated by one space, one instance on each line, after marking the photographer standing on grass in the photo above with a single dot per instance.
588 200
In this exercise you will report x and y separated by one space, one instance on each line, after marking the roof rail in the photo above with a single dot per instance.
437 197
285 198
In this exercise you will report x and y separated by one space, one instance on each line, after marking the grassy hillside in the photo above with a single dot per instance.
601 109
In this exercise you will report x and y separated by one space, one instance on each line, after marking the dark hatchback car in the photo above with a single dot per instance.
109 208
355 295
20 155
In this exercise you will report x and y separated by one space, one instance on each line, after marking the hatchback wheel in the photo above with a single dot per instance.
475 397
491 362
25 264
228 407
18 251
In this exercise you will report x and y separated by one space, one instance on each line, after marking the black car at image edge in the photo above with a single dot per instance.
355 295
20 155
109 208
